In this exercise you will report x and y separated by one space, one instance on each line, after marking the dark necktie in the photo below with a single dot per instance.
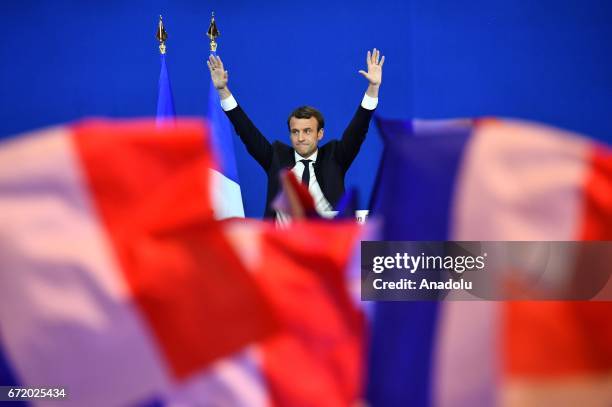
306 173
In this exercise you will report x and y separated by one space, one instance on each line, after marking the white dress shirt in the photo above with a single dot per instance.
321 204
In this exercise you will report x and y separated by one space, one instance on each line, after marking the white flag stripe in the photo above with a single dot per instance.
226 197
466 361
235 381
523 162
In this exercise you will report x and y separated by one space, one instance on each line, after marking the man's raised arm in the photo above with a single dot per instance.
355 133
257 145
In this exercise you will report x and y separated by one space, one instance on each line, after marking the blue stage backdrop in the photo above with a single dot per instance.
549 61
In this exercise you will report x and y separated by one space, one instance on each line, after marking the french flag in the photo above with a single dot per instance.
117 284
226 194
491 180
227 197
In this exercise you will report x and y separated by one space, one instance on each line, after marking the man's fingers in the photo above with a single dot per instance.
382 61
365 75
215 62
368 59
219 63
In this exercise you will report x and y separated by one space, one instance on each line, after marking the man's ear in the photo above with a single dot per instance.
320 135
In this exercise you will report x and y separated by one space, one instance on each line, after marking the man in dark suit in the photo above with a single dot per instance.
322 169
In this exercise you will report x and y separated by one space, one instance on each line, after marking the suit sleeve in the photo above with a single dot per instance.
255 142
353 137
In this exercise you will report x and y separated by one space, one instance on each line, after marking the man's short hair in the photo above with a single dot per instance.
306 112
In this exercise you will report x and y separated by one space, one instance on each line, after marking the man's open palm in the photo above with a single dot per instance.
374 63
218 74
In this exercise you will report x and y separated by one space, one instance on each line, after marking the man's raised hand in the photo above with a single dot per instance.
217 73
374 63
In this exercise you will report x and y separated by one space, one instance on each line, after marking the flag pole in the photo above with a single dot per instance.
212 34
165 100
227 197
161 36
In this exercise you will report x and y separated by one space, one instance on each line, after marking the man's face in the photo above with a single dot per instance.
304 135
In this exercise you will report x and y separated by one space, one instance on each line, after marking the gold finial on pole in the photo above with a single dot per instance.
213 33
161 36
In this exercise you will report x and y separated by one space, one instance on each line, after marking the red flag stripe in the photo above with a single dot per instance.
553 339
150 188
304 275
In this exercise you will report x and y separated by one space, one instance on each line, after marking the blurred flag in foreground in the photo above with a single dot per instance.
117 284
492 180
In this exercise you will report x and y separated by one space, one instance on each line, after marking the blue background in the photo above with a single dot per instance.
549 61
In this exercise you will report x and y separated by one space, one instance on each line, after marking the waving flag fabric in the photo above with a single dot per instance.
117 283
491 180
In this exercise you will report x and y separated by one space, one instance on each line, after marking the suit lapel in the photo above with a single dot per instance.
287 159
318 169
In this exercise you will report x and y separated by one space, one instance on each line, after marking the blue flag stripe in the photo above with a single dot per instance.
414 192
7 376
401 350
165 100
417 183
221 136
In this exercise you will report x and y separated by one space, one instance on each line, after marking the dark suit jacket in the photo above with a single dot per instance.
333 159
